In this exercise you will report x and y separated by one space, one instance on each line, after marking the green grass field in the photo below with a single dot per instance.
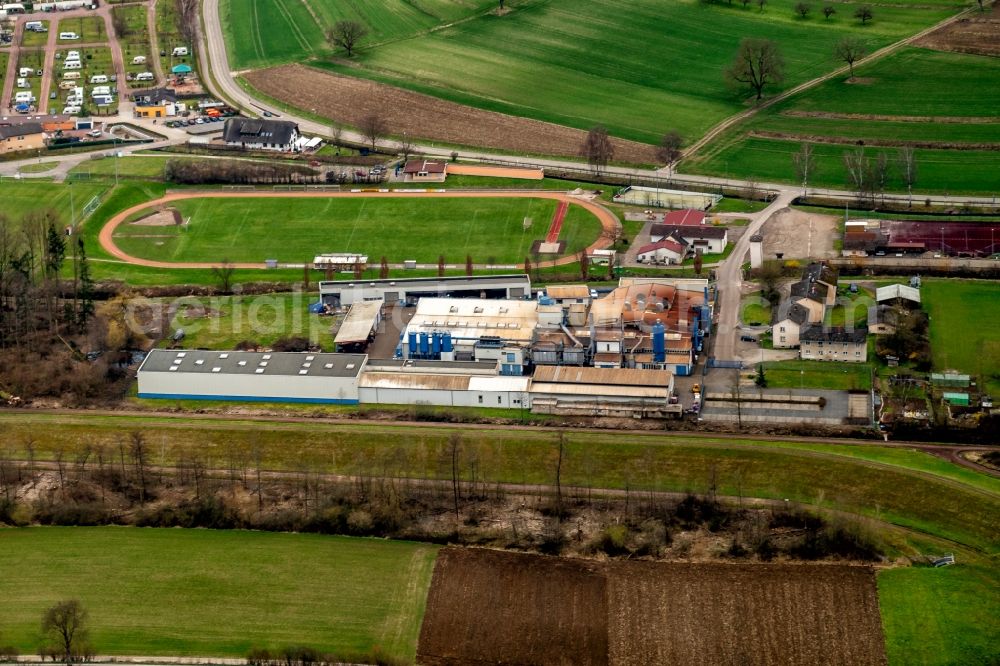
879 106
22 197
832 375
32 38
140 167
203 592
964 320
405 228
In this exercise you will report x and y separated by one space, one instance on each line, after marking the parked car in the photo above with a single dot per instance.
94 133
748 338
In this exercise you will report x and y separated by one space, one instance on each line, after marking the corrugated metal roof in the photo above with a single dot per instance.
545 388
359 322
412 380
603 376
897 291
568 291
499 383
253 363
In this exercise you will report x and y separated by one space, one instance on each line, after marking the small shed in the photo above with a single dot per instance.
957 399
951 380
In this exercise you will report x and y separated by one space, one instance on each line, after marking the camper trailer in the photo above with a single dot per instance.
179 51
69 36
99 78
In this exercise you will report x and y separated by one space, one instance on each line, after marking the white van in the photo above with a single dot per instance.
99 78
23 83
180 51
23 97
144 76
72 64
71 76
68 35
139 60
71 110
100 90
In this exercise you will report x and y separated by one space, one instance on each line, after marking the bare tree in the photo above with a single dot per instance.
440 265
908 170
864 12
454 456
881 179
760 4
187 20
699 262
406 147
804 164
336 134
347 34
527 265
758 63
584 265
560 454
468 264
374 127
383 272
223 273
828 11
669 150
65 627
597 148
857 166
850 49
803 9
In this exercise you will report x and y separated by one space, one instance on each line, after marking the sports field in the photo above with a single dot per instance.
22 197
204 592
582 62
295 230
964 320
915 96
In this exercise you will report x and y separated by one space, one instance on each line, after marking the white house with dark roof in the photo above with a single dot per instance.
261 134
425 171
700 238
818 343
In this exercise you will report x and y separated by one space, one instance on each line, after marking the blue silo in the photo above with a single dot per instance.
659 343
425 346
696 330
412 345
446 342
436 344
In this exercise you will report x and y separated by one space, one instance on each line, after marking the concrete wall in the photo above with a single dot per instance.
444 398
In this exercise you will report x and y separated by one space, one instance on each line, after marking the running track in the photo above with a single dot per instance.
557 221
609 221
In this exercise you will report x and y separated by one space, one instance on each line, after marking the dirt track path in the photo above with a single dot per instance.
609 221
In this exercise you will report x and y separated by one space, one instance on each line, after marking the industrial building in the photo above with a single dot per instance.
603 392
409 290
359 326
251 376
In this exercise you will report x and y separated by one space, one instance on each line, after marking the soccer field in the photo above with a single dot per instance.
296 229
205 592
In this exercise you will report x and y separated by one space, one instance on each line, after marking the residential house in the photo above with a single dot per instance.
261 134
425 171
788 324
817 343
23 136
666 251
686 217
156 103
817 273
813 297
882 320
704 239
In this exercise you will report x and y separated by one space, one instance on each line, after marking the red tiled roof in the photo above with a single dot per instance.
424 166
666 244
685 217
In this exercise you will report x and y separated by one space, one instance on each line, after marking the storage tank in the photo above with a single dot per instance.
446 343
659 343
436 343
412 345
425 344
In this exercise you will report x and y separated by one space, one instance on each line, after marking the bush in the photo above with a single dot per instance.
292 344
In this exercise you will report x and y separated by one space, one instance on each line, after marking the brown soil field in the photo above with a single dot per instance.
348 100
494 607
977 34
167 217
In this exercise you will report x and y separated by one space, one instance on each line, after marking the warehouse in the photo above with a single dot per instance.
409 290
251 376
444 389
573 391
359 326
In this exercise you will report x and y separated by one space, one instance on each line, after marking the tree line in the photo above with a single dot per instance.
237 172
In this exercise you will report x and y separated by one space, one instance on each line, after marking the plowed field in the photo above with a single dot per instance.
506 608
349 100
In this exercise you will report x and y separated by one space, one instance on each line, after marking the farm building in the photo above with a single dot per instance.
659 198
408 290
704 239
251 376
261 134
666 251
425 171
950 379
788 323
602 392
818 343
23 136
471 329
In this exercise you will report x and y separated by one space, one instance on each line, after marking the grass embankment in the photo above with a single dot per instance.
750 467
878 107
399 229
964 320
203 592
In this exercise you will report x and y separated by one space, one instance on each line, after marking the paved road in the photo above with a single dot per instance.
730 281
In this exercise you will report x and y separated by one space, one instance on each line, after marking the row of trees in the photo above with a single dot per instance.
32 299
237 172
862 13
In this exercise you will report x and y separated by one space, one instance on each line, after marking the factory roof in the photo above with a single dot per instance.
254 363
556 374
656 392
568 291
474 318
499 383
414 380
428 366
361 319
427 282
